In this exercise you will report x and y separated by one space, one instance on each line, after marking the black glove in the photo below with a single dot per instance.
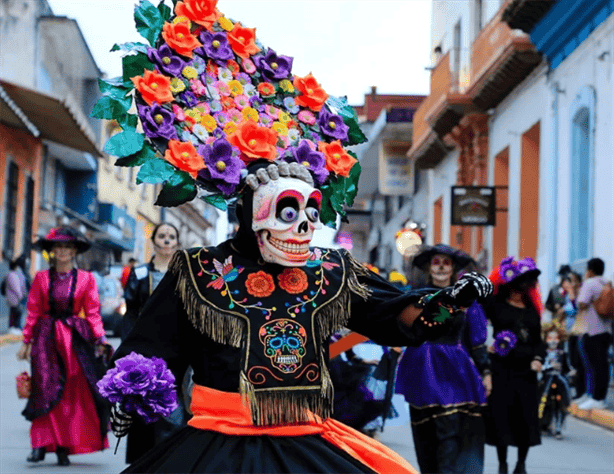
469 288
120 421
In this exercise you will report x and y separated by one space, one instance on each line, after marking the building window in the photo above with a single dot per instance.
456 49
479 14
10 210
28 218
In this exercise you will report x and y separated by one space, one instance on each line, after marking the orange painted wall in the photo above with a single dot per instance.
26 152
437 220
529 193
502 164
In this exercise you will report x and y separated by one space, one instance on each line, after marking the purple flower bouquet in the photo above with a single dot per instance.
140 385
504 342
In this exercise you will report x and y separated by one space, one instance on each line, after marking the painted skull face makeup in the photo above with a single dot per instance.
441 269
286 212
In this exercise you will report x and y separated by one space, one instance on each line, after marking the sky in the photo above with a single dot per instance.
348 45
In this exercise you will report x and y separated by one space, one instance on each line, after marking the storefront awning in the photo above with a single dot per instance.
55 119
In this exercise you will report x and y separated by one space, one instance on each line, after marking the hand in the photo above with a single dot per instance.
487 382
100 349
24 352
120 421
536 366
470 287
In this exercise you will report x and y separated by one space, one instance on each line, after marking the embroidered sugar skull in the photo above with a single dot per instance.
284 344
286 212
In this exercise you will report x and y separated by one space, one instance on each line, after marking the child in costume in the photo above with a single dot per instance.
554 388
227 120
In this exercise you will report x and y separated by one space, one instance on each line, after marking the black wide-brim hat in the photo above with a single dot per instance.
423 258
63 234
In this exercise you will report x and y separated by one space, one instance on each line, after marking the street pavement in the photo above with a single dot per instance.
585 448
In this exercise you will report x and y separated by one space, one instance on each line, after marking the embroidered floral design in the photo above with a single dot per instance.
293 280
260 284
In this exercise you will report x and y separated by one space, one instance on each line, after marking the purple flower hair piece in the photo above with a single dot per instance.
504 342
222 165
157 121
141 385
510 269
332 125
215 46
313 160
273 66
164 58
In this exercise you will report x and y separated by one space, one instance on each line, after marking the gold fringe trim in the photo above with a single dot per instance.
450 412
357 269
221 327
286 407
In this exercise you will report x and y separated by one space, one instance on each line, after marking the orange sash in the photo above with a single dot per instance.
225 413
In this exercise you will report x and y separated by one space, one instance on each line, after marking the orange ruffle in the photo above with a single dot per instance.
224 412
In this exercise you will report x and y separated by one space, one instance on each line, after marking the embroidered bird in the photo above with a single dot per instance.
226 272
316 260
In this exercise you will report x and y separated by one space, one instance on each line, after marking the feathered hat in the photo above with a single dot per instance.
211 99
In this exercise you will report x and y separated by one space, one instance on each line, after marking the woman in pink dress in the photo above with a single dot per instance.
62 337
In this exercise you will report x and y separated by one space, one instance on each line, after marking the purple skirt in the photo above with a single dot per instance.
438 374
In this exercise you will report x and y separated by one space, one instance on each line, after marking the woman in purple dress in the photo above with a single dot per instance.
62 330
446 381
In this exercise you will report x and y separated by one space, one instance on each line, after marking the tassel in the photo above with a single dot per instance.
221 327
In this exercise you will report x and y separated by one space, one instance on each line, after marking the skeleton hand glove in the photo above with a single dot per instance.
120 421
469 288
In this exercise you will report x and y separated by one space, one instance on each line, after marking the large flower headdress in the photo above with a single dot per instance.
210 100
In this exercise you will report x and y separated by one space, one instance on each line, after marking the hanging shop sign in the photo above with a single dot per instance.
473 205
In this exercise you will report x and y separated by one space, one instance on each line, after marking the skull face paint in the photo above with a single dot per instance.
284 344
441 269
286 212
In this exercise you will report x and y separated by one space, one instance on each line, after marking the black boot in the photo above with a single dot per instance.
520 469
62 454
37 454
503 468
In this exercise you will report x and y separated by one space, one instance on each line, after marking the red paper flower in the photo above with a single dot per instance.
313 96
260 284
337 159
201 12
293 280
254 141
179 37
154 87
184 156
243 41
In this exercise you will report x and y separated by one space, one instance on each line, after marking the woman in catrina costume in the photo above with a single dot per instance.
225 119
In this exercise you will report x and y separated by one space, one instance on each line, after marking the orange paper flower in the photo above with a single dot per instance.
337 159
154 87
293 280
254 141
202 12
183 155
243 41
179 37
313 96
260 284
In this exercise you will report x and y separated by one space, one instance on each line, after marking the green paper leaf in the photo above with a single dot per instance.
148 20
130 47
155 171
125 143
137 159
328 216
113 89
180 188
216 200
355 133
115 81
340 106
135 65
111 108
165 11
351 183
128 121
443 315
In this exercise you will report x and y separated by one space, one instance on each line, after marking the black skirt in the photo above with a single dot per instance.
191 450
511 416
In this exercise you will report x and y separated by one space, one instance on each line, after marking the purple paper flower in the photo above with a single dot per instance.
189 98
164 58
215 46
273 66
222 165
256 103
313 160
157 121
332 125
504 342
142 385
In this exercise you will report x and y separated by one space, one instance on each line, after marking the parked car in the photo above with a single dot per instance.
112 304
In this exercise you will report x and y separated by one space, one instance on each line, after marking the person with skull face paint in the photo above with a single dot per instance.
253 315
142 281
446 380
512 413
